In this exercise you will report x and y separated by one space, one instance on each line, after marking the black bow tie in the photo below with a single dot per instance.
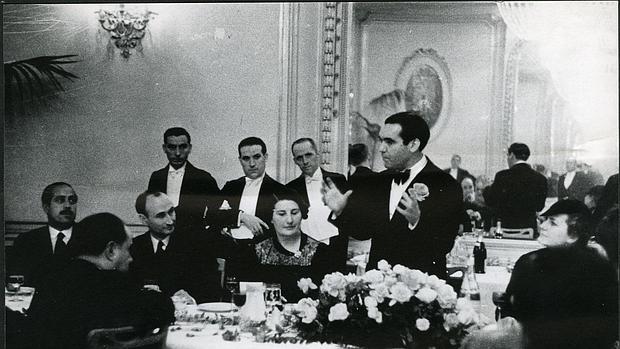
401 177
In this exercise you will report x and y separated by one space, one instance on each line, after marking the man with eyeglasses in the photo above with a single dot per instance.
38 252
191 190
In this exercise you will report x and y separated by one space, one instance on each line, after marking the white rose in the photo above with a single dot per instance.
352 278
450 321
446 296
400 293
426 295
305 284
399 269
379 292
383 265
413 278
434 282
370 302
338 312
463 303
422 324
333 283
374 313
467 316
373 276
307 309
420 191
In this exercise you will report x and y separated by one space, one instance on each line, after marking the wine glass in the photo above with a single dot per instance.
232 285
13 285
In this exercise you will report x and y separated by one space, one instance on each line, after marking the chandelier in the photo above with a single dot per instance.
126 29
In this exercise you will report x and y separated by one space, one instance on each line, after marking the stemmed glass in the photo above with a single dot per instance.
232 286
14 283
273 296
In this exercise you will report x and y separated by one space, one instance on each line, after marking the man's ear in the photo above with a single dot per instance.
414 145
163 147
143 218
266 156
46 208
110 250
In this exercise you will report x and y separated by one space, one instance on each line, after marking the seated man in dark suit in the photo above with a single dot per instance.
246 203
93 290
573 184
191 190
518 192
456 171
164 257
308 185
40 251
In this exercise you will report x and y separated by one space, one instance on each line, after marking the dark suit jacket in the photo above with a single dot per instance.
185 264
198 190
79 298
577 189
32 256
338 245
516 195
231 192
461 174
425 247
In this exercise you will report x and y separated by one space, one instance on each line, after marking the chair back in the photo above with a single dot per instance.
126 338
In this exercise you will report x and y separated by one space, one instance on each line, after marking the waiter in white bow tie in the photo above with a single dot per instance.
308 185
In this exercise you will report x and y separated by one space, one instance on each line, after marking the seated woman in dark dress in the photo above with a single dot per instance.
565 294
288 255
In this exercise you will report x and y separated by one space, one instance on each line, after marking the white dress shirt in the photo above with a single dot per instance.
173 185
568 179
316 225
155 242
247 204
398 190
454 172
54 236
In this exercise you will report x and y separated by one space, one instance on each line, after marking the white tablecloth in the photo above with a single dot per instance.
19 302
494 279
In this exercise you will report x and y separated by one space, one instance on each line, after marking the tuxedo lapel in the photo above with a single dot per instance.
44 240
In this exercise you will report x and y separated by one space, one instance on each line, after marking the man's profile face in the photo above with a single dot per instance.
395 154
177 149
252 161
160 215
511 159
571 165
62 208
455 161
306 158
122 256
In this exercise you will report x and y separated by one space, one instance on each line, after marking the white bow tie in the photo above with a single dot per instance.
312 179
176 173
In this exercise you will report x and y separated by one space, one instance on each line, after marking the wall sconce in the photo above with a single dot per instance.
126 29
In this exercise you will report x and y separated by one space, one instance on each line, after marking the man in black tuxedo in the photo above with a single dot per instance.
38 252
171 260
246 203
573 184
359 165
456 171
308 185
93 290
411 211
191 189
518 192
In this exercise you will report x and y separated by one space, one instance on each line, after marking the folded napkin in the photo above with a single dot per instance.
317 226
182 299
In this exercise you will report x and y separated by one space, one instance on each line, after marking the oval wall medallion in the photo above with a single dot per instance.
425 78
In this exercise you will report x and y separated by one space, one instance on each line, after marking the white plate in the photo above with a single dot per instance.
217 307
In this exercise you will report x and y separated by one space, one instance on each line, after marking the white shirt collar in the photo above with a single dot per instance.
317 176
415 169
54 233
155 242
256 181
179 170
520 162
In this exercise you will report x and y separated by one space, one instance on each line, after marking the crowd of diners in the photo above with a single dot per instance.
91 274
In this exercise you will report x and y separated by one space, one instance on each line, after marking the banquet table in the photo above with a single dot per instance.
495 279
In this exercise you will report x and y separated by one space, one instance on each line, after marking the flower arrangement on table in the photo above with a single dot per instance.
388 307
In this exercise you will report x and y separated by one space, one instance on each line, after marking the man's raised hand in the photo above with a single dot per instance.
333 198
409 208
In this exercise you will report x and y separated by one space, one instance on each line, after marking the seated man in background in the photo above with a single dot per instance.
94 290
566 294
38 252
171 260
474 210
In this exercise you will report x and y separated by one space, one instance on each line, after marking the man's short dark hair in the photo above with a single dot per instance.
141 200
252 141
358 153
177 132
520 150
93 233
305 139
413 127
48 192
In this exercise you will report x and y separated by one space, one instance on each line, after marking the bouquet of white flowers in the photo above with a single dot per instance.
387 307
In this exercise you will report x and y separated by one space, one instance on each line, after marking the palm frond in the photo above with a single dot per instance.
34 80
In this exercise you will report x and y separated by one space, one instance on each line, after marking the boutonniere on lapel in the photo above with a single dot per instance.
419 191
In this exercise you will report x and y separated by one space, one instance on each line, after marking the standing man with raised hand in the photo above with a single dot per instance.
192 191
38 252
411 211
308 185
